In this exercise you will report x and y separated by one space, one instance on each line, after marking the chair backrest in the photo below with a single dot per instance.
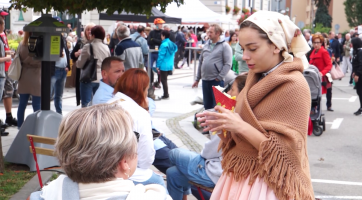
43 140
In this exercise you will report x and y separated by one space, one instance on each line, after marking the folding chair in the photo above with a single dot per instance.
38 150
199 187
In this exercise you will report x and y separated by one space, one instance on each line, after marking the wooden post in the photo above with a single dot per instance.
2 166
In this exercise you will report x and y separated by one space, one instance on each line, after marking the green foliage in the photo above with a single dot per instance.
78 6
322 16
353 11
318 28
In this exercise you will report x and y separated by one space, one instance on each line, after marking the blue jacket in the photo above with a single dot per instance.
166 55
141 41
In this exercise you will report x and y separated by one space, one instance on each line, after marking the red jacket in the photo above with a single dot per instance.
322 61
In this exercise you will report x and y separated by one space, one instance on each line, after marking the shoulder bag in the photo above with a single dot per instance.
15 68
336 72
89 71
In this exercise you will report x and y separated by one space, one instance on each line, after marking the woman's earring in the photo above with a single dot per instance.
126 173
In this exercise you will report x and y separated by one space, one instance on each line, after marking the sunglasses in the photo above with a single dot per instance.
137 135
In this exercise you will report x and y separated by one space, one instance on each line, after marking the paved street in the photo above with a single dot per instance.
335 156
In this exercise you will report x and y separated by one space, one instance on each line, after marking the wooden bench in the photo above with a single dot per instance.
38 150
199 187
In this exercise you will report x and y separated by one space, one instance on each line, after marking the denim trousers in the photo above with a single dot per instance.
87 90
155 179
208 94
57 87
23 102
189 166
154 57
162 161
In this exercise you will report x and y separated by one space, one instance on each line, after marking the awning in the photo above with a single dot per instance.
140 18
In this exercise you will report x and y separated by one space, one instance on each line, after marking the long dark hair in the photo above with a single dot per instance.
356 43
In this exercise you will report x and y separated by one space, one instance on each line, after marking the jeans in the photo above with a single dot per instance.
189 166
164 75
87 90
359 91
155 179
209 99
162 160
57 87
23 102
154 57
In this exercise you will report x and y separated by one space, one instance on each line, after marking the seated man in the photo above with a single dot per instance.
204 169
112 68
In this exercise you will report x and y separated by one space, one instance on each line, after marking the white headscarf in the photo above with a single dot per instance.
281 31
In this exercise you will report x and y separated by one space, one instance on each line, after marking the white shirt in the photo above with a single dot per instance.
142 125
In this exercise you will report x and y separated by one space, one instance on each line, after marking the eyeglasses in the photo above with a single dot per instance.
137 135
317 42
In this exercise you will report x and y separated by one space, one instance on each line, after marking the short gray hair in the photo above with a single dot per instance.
123 32
217 28
92 141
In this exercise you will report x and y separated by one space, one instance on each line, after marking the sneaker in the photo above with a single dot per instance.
11 121
359 112
3 133
330 109
165 97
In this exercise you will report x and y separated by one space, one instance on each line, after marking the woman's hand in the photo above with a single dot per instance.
78 53
225 120
356 78
320 74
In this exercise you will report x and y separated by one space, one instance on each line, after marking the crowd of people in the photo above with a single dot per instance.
106 147
328 50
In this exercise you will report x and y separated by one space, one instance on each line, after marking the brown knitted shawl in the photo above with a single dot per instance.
279 107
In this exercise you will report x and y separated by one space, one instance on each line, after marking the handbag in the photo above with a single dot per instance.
15 68
336 72
89 71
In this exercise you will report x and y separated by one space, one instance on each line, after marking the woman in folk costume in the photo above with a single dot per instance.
265 148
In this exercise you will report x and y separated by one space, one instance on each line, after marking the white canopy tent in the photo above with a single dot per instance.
193 11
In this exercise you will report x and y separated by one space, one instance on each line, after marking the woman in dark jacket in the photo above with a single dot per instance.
74 56
357 69
321 59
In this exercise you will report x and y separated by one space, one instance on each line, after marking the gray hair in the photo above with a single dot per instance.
92 141
123 32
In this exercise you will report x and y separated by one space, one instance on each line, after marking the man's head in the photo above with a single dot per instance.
307 36
166 28
227 34
141 29
214 32
112 68
158 22
348 36
69 25
351 32
184 31
131 26
305 31
339 35
331 35
123 32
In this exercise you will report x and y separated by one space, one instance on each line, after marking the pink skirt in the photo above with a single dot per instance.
228 189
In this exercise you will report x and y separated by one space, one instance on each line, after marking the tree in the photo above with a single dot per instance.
353 10
322 16
78 6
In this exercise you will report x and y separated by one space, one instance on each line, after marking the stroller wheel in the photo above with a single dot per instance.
317 130
323 123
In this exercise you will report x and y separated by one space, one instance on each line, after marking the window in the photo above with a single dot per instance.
236 3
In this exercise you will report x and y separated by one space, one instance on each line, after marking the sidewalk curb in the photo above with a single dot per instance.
32 185
174 125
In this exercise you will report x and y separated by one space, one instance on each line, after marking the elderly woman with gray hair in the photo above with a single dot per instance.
97 149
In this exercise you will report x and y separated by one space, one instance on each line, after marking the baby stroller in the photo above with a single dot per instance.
314 81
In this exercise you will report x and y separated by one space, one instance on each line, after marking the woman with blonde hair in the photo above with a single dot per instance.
264 148
30 80
97 149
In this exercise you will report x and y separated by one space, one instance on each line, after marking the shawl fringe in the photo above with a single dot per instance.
280 174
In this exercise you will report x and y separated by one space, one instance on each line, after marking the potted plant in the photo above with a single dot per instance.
245 10
227 9
236 10
244 16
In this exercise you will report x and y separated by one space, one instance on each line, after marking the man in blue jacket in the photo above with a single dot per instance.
335 46
138 37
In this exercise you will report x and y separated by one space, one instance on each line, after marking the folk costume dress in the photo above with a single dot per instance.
277 104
